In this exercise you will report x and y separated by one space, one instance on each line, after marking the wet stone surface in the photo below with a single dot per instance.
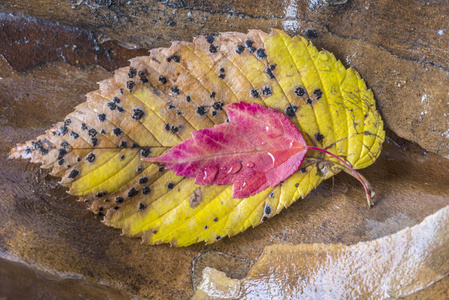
46 228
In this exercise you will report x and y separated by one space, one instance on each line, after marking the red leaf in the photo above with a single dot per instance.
259 147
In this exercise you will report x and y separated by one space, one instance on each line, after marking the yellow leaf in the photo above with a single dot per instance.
157 102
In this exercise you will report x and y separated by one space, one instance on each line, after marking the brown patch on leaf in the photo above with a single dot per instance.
196 198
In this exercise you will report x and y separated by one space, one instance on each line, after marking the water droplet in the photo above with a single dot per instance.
235 168
291 144
250 164
267 128
272 157
223 168
209 174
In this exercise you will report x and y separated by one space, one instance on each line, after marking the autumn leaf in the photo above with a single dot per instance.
156 104
258 148
225 154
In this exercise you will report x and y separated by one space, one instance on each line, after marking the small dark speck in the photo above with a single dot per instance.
254 93
94 142
74 173
99 194
201 110
120 109
297 184
154 231
272 67
309 101
264 218
188 99
212 95
117 131
102 131
78 159
101 117
299 91
303 170
167 127
210 39
112 105
174 129
319 137
122 157
146 190
145 151
91 157
267 91
92 132
239 49
116 207
132 192
61 162
249 43
65 144
132 72
260 53
221 76
130 85
206 227
123 144
139 169
83 126
318 93
214 113
176 58
267 210
119 199
216 220
116 100
175 90
311 33
171 185
269 73
218 237
162 79
74 135
222 70
251 49
134 145
106 200
142 206
171 106
137 114
213 49
272 195
291 110
160 169
218 105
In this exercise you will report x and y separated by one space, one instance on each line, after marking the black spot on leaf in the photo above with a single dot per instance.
73 174
91 157
132 72
132 192
239 49
260 53
117 131
162 79
291 110
101 117
319 137
300 91
145 151
201 110
137 114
